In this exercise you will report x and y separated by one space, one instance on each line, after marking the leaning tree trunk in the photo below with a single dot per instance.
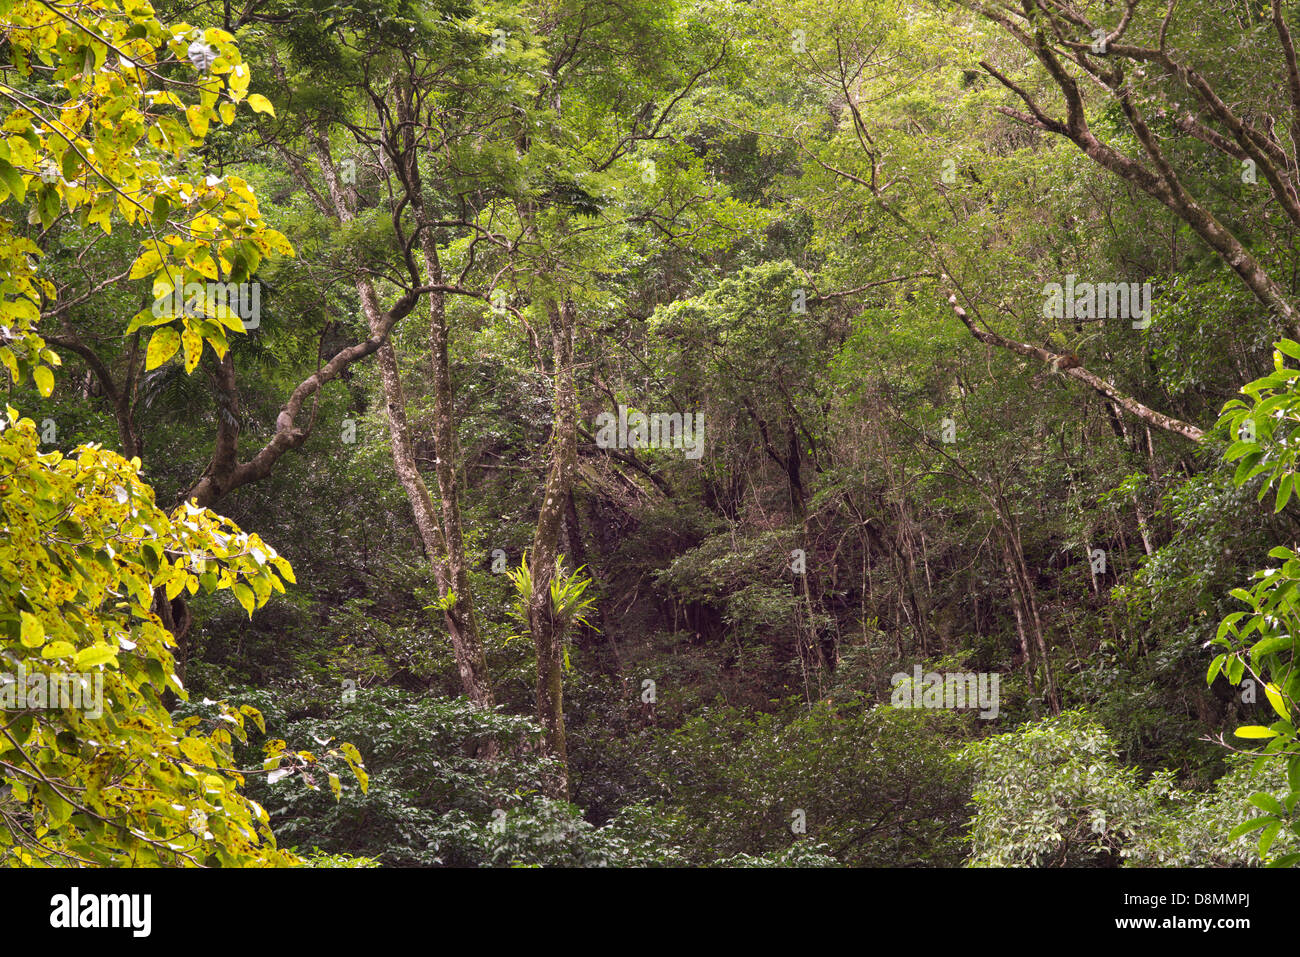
442 538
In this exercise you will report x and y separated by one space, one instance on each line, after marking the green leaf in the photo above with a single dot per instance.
1267 836
13 181
1215 665
58 809
1245 827
1238 449
71 164
1268 646
49 207
1284 488
1267 803
1245 465
1288 347
22 727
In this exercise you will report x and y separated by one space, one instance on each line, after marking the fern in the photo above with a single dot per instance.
568 606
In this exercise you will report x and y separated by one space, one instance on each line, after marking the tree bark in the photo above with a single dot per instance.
1093 381
548 633
442 539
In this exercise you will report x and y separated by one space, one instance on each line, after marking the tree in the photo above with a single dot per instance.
399 86
1146 64
612 84
1260 642
96 772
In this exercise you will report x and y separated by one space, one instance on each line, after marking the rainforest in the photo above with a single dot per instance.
649 433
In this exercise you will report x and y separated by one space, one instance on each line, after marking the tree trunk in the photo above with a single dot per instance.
443 541
461 619
548 633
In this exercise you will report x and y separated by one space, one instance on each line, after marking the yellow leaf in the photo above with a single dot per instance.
196 750
1255 731
198 120
95 655
193 348
276 241
162 346
285 569
176 584
260 104
238 79
244 595
1274 696
100 214
32 632
148 262
44 380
